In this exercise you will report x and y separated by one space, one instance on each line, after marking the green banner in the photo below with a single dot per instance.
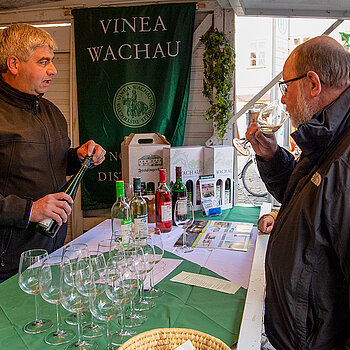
133 73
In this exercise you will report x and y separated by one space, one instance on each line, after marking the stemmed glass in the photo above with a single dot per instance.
107 298
28 280
111 249
76 283
184 217
50 282
134 253
131 284
155 240
97 262
74 252
269 120
148 257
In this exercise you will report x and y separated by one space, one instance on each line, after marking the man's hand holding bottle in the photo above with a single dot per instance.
57 206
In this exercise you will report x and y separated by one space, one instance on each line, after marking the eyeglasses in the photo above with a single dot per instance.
283 84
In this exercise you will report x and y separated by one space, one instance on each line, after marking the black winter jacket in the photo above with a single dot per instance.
34 153
308 255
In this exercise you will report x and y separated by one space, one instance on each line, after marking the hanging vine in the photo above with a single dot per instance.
219 65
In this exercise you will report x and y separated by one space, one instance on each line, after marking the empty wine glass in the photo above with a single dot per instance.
134 253
107 298
49 282
131 286
76 283
73 252
269 120
155 240
28 280
148 257
97 262
184 217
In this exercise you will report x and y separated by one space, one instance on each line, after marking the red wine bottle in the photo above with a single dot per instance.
49 227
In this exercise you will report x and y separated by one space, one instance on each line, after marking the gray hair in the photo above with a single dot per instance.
327 58
21 40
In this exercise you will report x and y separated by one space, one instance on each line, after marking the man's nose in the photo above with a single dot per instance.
51 70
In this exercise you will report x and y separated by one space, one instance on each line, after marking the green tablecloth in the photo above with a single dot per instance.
212 312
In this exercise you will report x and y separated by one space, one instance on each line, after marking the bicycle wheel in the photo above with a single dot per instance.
252 181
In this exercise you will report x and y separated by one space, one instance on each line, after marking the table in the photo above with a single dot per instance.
185 306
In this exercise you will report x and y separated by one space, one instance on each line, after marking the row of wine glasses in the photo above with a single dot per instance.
74 280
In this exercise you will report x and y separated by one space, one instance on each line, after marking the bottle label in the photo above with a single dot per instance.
227 197
182 206
165 209
125 226
141 226
45 223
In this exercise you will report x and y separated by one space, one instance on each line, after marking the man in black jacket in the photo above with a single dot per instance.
35 153
308 255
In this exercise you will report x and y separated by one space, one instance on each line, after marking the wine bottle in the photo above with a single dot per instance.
189 187
151 202
49 227
178 191
120 214
218 191
227 191
163 204
138 207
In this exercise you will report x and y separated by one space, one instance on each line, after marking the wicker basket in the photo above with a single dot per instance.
171 338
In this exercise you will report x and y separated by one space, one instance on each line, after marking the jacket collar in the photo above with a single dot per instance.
329 123
18 98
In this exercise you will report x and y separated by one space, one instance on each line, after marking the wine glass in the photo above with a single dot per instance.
28 280
76 280
49 283
155 240
131 282
148 258
269 120
74 252
134 253
111 249
97 263
184 217
107 298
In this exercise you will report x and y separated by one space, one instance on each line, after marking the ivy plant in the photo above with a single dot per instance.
219 65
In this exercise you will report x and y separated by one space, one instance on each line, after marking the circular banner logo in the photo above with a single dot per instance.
134 104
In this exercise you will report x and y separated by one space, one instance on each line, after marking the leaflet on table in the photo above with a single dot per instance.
218 234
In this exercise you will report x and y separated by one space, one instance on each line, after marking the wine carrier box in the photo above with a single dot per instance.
190 158
142 156
218 160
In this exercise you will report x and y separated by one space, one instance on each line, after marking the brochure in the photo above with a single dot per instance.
218 235
210 205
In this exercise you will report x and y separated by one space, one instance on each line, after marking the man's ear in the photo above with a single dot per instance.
315 83
12 64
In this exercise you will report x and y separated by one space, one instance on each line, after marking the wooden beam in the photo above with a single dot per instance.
201 29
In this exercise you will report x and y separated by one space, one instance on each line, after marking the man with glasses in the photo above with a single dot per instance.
308 255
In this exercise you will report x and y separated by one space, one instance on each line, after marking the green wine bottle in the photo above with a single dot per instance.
120 215
49 227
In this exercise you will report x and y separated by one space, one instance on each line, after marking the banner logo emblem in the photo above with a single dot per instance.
134 104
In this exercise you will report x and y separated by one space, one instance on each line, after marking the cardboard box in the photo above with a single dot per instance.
190 158
142 156
218 160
